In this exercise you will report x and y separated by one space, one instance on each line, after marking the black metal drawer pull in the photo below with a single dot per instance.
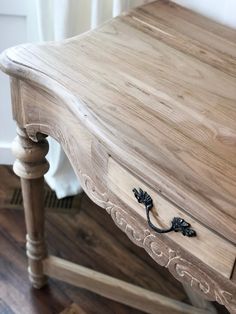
177 224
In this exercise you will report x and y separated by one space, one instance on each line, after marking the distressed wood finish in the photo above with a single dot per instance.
168 111
207 246
197 301
30 166
154 92
116 289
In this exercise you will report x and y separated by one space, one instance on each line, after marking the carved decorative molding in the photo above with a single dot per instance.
180 268
163 254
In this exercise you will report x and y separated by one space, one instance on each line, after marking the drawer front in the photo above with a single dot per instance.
210 248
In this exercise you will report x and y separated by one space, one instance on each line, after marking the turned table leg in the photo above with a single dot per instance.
30 166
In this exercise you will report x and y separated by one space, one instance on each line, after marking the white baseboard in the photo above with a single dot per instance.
6 156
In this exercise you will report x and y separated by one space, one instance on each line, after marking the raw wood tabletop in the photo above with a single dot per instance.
158 86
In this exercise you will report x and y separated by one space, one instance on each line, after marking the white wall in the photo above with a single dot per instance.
16 26
222 11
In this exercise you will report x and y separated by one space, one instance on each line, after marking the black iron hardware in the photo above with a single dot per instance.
177 224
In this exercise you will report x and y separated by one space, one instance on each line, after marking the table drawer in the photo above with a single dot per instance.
209 247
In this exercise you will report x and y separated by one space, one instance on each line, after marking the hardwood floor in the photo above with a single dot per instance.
82 233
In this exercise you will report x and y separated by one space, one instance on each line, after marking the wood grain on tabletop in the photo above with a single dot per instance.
159 84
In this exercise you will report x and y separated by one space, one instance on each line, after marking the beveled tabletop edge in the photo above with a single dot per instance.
10 65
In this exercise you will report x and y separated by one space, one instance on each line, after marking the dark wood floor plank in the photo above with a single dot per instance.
111 256
15 288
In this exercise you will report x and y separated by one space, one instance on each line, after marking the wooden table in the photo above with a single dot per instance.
145 109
